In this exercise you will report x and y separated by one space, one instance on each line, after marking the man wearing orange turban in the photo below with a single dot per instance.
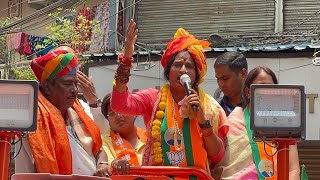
67 141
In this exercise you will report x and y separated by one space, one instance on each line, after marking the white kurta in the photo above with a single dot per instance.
82 162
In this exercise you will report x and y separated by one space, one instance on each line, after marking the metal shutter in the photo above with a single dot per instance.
302 16
309 155
159 19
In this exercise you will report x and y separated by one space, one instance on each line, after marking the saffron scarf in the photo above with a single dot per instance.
50 143
212 111
123 149
259 151
194 153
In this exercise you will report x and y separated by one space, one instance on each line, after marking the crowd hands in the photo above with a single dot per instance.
166 112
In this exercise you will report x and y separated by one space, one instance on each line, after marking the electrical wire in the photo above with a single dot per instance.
77 5
20 139
27 57
23 134
53 19
288 69
137 42
289 29
36 14
34 25
20 46
18 151
272 146
316 13
133 4
264 147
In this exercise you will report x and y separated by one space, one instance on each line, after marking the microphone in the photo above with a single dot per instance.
186 81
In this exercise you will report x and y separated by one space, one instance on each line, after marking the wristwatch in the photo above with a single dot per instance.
97 104
205 125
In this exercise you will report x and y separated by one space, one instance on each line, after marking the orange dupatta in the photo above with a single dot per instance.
194 143
50 143
124 149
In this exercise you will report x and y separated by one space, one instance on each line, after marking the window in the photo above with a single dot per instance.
14 8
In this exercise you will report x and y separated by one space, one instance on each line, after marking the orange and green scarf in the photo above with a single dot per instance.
194 153
259 151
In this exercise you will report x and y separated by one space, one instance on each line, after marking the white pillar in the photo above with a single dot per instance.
278 16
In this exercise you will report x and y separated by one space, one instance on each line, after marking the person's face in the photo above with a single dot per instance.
62 91
183 64
267 167
120 123
230 82
262 78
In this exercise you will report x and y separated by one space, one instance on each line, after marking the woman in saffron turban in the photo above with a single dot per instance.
178 135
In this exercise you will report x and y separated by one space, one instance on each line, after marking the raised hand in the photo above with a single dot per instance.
86 85
130 40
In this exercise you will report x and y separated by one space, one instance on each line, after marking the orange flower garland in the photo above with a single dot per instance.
156 125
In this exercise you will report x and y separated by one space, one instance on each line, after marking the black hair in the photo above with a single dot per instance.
253 74
168 67
235 60
105 105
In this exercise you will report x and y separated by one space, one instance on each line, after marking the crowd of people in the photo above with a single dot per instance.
182 129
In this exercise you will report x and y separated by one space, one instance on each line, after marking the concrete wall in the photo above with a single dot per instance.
288 71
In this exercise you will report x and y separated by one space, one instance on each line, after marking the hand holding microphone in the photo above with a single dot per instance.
186 82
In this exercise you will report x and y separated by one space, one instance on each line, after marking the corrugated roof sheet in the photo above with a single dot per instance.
266 48
273 47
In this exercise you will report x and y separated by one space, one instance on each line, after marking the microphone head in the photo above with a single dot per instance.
184 78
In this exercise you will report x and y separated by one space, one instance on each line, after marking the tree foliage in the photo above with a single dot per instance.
23 73
3 44
62 31
73 31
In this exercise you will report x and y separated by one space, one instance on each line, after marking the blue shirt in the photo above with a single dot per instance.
227 106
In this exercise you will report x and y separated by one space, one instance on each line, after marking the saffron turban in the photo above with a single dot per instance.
185 41
58 62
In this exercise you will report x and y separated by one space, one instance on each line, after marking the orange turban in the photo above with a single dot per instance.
184 41
58 62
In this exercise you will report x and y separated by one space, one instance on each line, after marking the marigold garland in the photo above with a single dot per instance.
156 124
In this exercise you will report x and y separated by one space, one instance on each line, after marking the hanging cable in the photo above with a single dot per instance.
36 14
27 57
